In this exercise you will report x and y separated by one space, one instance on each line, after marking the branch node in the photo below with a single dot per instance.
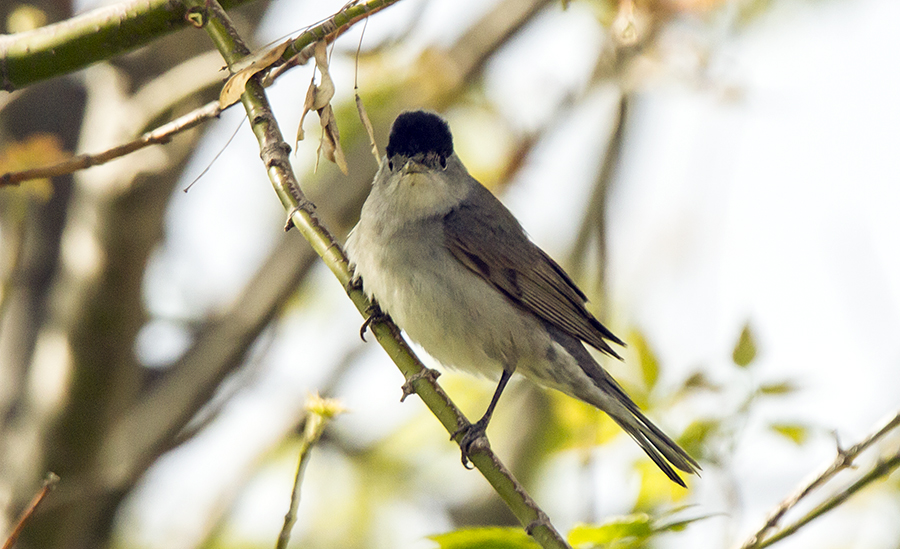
542 520
424 373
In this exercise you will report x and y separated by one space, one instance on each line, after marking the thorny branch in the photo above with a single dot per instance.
843 460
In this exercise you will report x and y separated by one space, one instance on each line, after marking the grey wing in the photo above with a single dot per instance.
490 242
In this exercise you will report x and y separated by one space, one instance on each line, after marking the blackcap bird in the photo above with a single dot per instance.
455 270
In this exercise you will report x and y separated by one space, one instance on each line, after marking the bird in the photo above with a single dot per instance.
454 269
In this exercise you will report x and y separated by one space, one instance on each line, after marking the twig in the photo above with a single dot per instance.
49 483
319 411
843 460
162 134
883 468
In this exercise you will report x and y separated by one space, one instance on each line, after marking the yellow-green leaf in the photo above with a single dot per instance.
634 527
793 432
700 381
579 425
485 538
694 438
656 488
745 349
648 361
778 388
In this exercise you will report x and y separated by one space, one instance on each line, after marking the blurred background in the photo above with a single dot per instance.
720 177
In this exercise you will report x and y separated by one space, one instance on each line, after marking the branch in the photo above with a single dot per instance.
843 460
319 412
882 469
162 134
274 153
64 47
49 484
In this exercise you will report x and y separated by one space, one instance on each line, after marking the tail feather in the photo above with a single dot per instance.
605 393
613 400
664 451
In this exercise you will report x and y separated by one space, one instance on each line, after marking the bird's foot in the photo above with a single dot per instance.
375 315
472 437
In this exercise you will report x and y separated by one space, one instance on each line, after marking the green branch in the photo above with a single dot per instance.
274 154
64 47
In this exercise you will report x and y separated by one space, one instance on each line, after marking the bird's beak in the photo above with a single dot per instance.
412 167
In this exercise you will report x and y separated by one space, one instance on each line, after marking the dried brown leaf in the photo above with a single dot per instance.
307 106
331 139
234 87
318 98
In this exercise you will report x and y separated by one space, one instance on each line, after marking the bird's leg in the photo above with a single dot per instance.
474 431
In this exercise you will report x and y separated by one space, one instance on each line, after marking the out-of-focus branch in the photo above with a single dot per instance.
64 47
843 460
319 412
594 224
162 134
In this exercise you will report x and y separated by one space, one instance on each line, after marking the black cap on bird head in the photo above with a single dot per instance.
420 133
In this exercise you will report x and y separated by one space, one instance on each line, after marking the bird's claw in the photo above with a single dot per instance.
375 315
473 438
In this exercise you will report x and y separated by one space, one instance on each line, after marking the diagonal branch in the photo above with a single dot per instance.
882 469
162 134
274 153
843 460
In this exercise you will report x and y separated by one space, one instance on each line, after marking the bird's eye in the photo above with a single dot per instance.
444 162
391 165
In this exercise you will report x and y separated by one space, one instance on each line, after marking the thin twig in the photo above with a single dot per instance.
319 411
882 469
843 460
49 483
162 134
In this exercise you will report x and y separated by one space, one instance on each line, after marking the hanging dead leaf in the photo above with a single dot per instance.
318 98
330 145
307 106
234 87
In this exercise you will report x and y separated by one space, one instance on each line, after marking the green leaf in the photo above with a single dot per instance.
634 527
699 381
648 360
486 538
778 388
745 349
695 436
798 434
